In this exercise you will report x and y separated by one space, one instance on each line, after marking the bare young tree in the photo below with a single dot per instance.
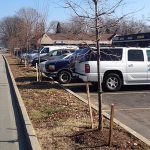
95 11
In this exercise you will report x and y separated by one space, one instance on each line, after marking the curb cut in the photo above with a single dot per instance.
128 129
30 134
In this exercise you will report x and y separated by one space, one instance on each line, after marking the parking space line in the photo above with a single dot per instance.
129 109
121 93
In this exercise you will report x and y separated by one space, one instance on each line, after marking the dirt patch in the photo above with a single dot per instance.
62 121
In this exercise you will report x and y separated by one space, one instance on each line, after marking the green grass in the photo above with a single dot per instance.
36 115
50 110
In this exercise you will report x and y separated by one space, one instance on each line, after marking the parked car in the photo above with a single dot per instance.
118 66
62 69
24 55
46 49
52 55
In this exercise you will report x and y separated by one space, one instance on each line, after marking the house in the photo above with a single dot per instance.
132 40
74 39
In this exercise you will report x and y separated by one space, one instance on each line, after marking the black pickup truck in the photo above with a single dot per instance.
62 69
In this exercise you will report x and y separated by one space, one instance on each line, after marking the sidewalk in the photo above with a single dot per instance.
11 136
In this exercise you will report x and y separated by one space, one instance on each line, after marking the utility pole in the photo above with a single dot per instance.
100 121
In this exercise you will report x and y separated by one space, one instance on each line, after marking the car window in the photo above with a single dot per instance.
56 53
65 51
135 55
111 54
148 55
93 56
45 50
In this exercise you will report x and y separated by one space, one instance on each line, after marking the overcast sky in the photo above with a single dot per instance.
55 11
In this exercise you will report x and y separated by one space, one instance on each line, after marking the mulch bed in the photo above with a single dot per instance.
61 121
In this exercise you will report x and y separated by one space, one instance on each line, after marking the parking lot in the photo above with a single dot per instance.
132 105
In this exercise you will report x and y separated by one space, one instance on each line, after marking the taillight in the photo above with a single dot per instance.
87 68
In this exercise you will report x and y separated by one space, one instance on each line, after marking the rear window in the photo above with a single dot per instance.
111 54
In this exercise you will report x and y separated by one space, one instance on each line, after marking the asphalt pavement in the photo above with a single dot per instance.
11 135
132 105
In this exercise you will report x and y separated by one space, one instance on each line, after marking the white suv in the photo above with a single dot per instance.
118 66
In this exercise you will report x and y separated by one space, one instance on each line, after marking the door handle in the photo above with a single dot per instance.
148 65
131 65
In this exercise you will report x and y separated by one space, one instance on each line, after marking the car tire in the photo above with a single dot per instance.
64 77
95 84
112 82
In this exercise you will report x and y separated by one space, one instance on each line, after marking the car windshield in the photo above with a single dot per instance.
73 55
68 56
84 51
64 56
77 52
82 56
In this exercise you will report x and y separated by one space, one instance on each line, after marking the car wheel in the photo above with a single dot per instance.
95 84
112 82
64 77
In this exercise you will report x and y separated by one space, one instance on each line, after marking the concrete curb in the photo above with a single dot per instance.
31 137
134 133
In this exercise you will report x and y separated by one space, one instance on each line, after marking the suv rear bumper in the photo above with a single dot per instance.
90 77
81 76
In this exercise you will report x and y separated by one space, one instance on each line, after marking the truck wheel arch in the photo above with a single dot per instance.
113 71
112 80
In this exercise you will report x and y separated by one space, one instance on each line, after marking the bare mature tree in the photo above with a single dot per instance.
21 29
33 25
9 31
132 26
75 25
95 11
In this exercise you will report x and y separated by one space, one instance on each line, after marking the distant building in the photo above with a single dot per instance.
74 39
133 40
